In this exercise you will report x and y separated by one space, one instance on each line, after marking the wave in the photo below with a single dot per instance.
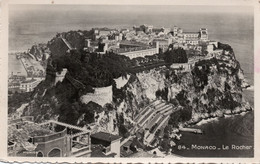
205 121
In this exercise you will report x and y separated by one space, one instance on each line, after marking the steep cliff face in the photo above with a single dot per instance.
212 88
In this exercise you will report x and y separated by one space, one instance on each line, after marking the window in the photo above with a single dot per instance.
54 153
39 154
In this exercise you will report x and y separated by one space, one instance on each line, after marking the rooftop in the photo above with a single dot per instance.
190 32
161 40
105 136
97 151
27 130
124 50
105 29
134 43
29 81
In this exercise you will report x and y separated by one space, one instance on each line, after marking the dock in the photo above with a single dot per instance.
192 130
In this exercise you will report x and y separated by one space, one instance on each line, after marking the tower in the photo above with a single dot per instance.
204 34
87 43
157 47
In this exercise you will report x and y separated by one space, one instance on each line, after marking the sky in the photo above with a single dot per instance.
16 9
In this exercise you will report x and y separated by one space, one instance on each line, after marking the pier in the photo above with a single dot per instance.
192 130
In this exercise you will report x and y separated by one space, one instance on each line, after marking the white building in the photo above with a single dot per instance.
190 35
210 48
192 42
204 34
135 52
163 43
29 85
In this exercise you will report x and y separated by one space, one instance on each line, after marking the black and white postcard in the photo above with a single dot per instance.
127 81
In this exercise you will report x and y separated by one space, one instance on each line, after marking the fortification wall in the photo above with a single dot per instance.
100 96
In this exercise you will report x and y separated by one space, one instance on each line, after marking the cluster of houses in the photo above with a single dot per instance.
141 41
58 139
147 40
19 83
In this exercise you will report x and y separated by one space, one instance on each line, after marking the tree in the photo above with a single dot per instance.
176 56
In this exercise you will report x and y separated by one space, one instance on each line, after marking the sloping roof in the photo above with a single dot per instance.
128 143
105 136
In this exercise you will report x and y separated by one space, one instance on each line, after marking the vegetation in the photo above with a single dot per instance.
162 93
175 56
225 47
123 131
93 69
71 112
16 100
179 116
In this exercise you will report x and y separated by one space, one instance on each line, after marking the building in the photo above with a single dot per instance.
175 31
16 78
191 35
179 31
13 87
87 43
102 32
144 28
163 43
204 34
192 41
109 142
210 48
166 30
29 85
215 43
157 30
138 51
131 44
48 139
182 66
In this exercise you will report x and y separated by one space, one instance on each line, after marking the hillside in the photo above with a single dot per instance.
212 88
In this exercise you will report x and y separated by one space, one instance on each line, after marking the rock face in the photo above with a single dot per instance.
100 96
213 87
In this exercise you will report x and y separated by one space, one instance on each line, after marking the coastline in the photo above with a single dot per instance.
217 132
216 116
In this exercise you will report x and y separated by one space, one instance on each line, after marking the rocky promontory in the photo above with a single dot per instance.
212 87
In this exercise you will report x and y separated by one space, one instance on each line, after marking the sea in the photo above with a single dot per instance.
34 24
